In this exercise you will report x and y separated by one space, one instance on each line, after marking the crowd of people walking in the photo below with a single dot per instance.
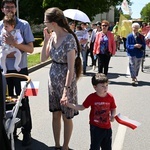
101 40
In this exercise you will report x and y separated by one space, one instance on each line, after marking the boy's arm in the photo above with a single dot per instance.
113 113
75 106
71 105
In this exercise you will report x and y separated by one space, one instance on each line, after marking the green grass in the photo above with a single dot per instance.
33 59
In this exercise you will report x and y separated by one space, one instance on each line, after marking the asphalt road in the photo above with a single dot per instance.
131 101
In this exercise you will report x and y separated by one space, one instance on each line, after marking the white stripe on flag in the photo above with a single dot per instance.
127 122
32 88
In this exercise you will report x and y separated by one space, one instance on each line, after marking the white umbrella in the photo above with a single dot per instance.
76 14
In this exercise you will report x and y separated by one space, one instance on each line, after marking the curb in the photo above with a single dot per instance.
36 67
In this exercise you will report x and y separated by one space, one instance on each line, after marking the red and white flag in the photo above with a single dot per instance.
32 88
127 122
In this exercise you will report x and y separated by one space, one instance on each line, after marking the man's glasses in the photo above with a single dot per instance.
9 7
104 25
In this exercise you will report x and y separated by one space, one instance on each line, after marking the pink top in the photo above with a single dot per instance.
111 43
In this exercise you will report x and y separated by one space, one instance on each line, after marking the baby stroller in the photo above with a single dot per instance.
11 119
4 141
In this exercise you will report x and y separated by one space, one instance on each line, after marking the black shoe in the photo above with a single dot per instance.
26 139
84 72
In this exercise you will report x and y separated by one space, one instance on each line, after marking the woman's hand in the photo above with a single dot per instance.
46 33
64 99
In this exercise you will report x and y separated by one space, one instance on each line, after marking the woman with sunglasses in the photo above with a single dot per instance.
104 47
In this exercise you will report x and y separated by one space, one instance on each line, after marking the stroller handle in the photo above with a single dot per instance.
16 75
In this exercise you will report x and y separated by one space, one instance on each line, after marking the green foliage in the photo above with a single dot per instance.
145 13
38 42
37 30
31 10
91 8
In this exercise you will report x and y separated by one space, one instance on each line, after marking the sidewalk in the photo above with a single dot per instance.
128 99
36 50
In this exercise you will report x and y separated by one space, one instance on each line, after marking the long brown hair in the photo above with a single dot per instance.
56 15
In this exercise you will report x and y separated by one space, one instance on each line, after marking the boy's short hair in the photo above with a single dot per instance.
99 78
8 1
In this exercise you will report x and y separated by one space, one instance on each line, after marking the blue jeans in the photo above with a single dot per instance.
83 53
100 138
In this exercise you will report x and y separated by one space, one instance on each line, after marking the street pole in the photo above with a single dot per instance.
17 3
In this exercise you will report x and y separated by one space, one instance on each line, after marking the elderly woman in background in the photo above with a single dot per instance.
104 47
135 46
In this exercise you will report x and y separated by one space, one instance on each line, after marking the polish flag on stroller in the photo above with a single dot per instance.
32 88
11 115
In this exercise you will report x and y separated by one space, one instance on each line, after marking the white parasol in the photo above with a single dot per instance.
76 14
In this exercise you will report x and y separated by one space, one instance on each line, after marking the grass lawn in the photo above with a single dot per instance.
33 59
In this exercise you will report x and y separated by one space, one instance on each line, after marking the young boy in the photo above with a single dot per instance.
103 110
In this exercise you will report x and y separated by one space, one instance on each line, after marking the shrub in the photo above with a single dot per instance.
37 30
38 42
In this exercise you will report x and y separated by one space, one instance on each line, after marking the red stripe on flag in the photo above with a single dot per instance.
31 92
126 121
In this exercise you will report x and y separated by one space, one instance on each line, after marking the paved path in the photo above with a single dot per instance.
131 101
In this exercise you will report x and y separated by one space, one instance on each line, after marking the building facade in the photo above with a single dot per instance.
110 15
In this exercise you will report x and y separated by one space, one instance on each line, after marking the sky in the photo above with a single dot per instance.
137 7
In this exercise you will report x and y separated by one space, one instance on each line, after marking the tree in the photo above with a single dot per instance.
145 13
31 10
91 8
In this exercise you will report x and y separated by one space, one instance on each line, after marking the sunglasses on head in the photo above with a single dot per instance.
104 25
